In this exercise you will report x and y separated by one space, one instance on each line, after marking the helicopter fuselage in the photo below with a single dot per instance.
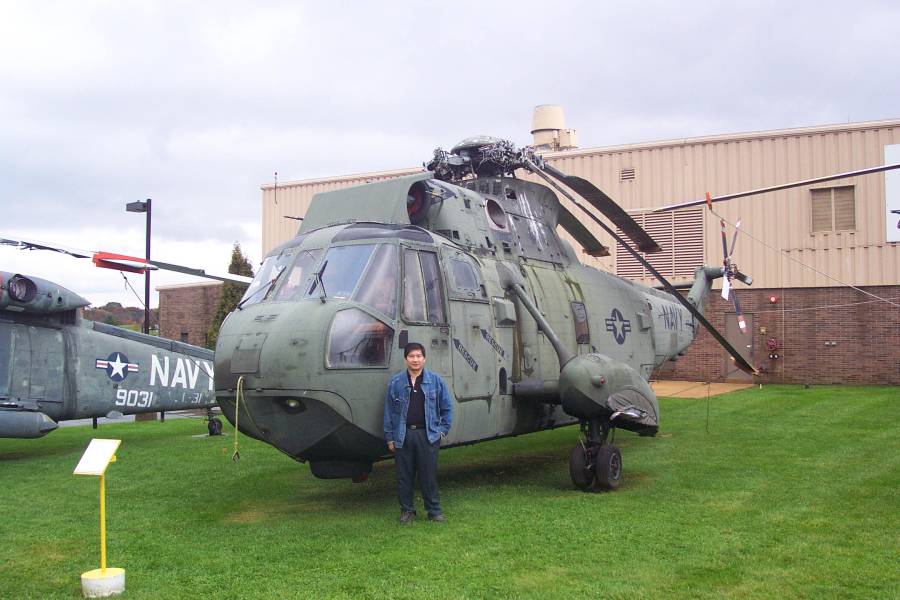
307 357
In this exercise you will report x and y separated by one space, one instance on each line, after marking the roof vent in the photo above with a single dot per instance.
548 126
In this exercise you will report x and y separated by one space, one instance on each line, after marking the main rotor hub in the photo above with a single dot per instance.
480 156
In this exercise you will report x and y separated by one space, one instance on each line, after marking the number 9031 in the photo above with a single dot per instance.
134 398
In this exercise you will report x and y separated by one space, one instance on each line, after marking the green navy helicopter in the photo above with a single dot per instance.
465 259
55 365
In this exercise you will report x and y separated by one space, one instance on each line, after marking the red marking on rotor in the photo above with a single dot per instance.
708 201
102 260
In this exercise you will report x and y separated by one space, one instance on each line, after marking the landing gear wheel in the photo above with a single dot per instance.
607 468
579 468
214 426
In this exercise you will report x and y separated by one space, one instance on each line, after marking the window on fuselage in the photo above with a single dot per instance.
423 298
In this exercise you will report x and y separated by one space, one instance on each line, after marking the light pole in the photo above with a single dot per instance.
144 207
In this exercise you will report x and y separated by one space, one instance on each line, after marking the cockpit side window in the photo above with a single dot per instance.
423 298
378 288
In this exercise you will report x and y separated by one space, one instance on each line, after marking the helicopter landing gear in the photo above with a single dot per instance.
595 465
214 425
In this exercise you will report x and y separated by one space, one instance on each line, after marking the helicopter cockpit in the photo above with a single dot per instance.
361 266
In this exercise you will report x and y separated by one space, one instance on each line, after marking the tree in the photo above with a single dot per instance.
231 293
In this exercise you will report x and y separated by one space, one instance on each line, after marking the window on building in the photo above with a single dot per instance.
833 209
679 232
184 337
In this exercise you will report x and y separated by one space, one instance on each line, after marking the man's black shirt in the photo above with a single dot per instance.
415 415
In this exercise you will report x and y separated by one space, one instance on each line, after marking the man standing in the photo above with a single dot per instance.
418 413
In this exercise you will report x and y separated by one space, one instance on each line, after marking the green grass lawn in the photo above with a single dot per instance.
793 493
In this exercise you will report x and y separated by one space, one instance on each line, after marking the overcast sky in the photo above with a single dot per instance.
196 104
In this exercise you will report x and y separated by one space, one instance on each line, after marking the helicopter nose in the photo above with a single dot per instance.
291 363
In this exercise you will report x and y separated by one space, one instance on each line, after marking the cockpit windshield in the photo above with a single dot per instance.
340 271
267 277
299 278
365 273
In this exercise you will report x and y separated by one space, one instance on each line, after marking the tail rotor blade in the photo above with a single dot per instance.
724 242
737 311
737 226
726 287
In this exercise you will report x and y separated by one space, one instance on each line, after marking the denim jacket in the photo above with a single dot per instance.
438 407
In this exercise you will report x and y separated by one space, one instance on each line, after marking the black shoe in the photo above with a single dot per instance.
407 517
438 518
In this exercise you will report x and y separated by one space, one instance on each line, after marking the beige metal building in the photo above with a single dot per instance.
802 246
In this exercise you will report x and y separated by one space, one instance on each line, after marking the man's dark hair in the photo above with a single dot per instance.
413 346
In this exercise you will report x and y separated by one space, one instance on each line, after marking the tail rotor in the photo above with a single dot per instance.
732 272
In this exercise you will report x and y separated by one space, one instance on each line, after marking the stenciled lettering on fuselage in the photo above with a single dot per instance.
116 366
465 354
183 374
618 325
493 343
673 318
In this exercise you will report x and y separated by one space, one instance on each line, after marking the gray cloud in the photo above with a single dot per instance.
197 104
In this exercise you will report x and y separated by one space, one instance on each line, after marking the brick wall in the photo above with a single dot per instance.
187 310
865 333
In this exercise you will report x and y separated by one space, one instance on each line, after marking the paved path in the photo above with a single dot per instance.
694 389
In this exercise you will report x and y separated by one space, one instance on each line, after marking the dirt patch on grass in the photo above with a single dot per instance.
694 389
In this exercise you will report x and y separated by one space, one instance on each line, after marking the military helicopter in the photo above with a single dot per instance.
56 366
465 259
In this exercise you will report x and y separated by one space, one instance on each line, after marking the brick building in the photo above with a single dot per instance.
186 311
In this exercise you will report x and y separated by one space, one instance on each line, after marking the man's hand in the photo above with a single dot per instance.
391 446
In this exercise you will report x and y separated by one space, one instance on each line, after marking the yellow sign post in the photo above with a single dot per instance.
105 581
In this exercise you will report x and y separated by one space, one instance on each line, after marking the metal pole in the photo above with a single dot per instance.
147 275
103 523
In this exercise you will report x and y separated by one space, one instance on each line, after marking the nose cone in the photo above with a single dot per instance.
272 379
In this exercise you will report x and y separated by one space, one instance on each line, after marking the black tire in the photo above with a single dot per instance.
607 468
214 426
579 468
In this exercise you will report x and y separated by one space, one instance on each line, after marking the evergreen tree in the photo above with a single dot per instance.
231 293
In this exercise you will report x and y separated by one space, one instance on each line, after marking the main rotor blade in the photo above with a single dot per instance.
739 360
591 245
775 188
230 277
608 207
38 245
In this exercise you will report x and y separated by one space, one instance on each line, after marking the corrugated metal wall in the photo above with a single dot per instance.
776 230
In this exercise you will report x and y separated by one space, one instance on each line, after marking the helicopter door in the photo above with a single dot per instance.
471 325
423 311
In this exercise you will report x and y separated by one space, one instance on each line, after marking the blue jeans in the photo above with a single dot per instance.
419 457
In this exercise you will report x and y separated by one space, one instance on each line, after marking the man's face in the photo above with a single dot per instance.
415 360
